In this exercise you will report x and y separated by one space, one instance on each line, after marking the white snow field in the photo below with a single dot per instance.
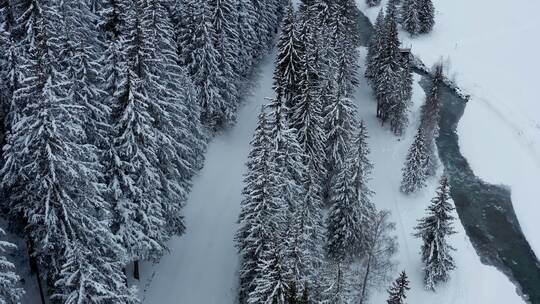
201 267
492 50
472 282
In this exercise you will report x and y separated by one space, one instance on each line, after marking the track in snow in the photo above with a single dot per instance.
202 264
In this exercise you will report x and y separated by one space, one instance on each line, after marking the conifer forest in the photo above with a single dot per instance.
256 152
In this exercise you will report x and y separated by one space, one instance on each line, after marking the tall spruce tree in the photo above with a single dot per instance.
398 290
265 18
415 170
287 154
410 18
429 120
303 237
434 230
10 291
426 16
247 37
389 83
387 70
289 60
340 122
87 277
307 115
376 44
8 61
344 22
337 283
361 170
272 282
399 112
133 159
224 17
344 226
49 154
203 62
261 208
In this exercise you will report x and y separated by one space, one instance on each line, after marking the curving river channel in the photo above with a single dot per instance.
485 210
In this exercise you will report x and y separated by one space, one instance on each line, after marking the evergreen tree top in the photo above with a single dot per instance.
397 292
439 218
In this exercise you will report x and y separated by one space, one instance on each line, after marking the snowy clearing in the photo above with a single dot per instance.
202 264
472 281
491 49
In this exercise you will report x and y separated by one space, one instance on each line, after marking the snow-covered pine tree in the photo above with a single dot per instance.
397 292
344 23
28 33
305 237
203 63
307 114
28 157
340 119
414 171
429 120
81 56
261 208
381 247
181 139
289 60
133 163
426 16
10 291
387 82
87 277
343 31
247 37
48 153
272 282
265 18
399 112
410 16
189 12
374 55
344 225
361 170
287 154
224 17
372 3
338 287
8 61
434 230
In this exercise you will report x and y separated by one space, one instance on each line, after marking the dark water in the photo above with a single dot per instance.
485 210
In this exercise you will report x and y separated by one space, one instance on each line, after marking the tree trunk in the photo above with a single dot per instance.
365 280
34 269
136 273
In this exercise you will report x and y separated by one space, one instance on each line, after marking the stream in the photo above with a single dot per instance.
485 210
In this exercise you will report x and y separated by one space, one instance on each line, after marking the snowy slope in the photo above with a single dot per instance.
201 267
492 50
472 282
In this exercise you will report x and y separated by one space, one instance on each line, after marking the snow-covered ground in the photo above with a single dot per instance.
472 282
201 267
492 50
491 47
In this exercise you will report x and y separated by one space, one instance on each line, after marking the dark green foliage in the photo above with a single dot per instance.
434 230
398 290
